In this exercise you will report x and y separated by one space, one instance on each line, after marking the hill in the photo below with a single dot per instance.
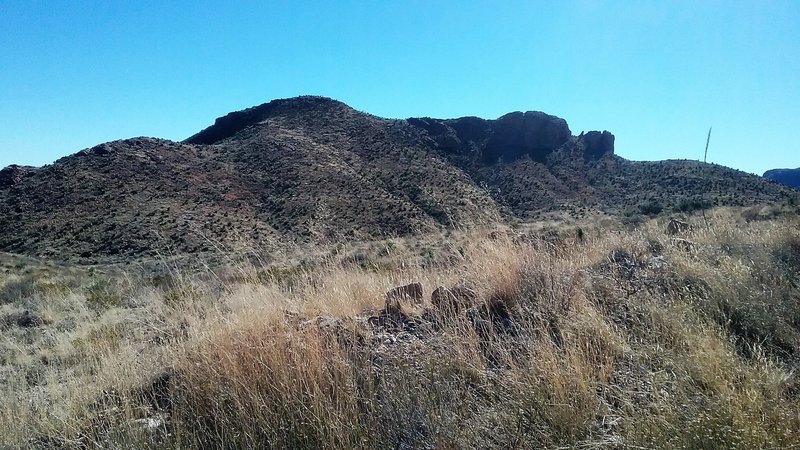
312 168
789 177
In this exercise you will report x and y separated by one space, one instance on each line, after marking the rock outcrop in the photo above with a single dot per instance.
533 133
597 144
511 137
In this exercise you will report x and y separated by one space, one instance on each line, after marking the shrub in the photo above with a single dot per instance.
688 205
651 208
17 288
103 293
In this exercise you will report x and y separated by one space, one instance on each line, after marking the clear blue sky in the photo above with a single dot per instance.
655 73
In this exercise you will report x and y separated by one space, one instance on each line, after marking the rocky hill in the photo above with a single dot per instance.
310 168
789 177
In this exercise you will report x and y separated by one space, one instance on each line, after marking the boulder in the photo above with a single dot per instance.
453 299
494 316
397 296
625 263
676 226
97 150
683 244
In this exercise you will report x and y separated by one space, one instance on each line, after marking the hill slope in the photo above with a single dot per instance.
789 177
313 168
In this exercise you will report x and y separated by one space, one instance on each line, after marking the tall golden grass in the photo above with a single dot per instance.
597 339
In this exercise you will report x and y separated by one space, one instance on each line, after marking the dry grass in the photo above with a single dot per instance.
597 340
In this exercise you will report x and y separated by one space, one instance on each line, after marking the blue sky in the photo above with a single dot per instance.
655 73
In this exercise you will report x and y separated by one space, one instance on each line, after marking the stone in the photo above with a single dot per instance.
625 263
683 244
493 316
397 296
453 299
676 226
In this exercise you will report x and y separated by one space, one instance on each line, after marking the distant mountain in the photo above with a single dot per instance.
312 168
789 177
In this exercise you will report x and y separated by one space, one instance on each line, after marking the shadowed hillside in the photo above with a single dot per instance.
789 177
311 168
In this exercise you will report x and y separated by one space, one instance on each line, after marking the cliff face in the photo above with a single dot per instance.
312 168
516 135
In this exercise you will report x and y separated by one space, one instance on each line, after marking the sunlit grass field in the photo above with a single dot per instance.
579 336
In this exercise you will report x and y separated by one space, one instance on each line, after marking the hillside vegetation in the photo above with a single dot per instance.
311 169
549 337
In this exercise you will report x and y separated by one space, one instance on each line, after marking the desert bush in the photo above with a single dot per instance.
104 293
651 208
689 205
17 288
787 252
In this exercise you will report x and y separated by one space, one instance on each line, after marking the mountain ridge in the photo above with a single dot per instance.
313 168
789 177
